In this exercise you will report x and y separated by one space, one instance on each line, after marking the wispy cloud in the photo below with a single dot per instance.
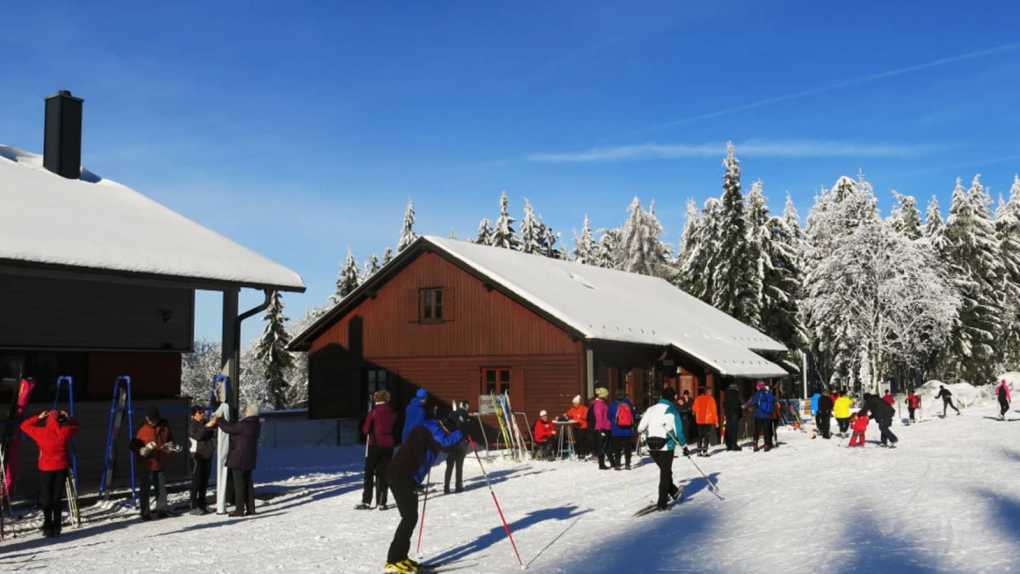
757 148
851 82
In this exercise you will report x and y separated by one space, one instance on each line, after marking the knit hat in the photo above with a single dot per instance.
760 385
576 400
543 413
152 413
421 394
601 392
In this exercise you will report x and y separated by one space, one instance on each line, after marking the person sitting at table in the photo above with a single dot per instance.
545 431
578 412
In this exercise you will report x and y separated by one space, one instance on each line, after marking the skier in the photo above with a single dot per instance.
706 415
860 426
598 421
947 400
664 429
841 410
763 402
621 420
201 448
455 459
683 405
882 412
414 414
824 417
52 439
153 444
544 432
1005 397
734 411
913 403
379 428
405 474
241 458
578 412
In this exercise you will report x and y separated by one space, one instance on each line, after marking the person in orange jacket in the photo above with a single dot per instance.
153 444
545 430
860 425
706 416
52 438
578 412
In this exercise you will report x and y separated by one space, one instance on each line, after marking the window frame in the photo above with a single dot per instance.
431 300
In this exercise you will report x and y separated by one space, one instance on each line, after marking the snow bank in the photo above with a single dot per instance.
964 394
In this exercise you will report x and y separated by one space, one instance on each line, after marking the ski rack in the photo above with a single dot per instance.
122 395
71 483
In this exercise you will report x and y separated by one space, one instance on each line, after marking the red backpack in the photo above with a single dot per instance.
624 416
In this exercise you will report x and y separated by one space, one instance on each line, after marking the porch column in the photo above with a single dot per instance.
589 355
230 357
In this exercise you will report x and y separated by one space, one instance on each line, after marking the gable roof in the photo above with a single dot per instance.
96 224
597 304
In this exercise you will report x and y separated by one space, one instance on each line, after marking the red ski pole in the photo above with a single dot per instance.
424 505
506 527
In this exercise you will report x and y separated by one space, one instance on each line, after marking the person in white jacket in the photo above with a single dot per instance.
664 430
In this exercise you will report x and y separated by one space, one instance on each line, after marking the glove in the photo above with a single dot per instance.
687 452
147 449
172 447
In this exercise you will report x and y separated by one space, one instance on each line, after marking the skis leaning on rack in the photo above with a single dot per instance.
121 405
66 383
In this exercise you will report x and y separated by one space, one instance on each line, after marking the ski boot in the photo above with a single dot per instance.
363 506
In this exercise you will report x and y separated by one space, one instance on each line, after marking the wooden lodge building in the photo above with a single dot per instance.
464 320
98 281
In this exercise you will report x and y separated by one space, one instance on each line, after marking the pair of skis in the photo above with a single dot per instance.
66 383
121 406
9 450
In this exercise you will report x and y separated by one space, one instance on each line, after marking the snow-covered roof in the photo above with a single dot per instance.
610 305
98 224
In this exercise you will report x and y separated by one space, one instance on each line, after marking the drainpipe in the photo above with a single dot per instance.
231 351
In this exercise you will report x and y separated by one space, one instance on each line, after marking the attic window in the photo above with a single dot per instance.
430 305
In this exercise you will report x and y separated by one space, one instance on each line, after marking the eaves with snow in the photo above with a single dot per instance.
606 305
95 224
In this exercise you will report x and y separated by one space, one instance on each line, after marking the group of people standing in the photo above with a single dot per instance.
604 430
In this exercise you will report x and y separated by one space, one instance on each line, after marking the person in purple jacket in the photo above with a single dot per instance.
379 428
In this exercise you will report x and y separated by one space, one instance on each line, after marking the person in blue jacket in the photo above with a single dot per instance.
446 437
414 415
763 402
621 420
814 402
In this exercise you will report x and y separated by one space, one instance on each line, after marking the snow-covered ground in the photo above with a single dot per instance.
946 501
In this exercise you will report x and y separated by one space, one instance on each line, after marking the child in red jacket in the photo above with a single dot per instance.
859 425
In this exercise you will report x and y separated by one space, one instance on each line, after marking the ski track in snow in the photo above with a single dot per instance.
944 501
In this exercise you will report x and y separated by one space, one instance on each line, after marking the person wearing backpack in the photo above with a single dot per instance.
763 402
706 416
621 419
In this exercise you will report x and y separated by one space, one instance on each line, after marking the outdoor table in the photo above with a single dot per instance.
565 438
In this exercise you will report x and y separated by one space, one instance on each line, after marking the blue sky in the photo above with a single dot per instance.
302 130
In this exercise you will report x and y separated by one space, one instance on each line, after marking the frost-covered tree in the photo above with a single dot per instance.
272 352
971 255
371 266
608 249
865 295
759 241
504 235
792 218
934 231
550 243
905 216
197 370
733 273
700 251
585 251
1007 231
387 255
347 280
484 235
532 231
641 249
407 234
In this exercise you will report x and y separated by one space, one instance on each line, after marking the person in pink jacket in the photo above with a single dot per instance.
598 421
1003 394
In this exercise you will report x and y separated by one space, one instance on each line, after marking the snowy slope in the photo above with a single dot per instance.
945 501
100 224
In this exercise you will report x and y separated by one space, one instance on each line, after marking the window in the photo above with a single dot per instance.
430 306
495 381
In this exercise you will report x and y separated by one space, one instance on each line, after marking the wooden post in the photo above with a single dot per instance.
230 357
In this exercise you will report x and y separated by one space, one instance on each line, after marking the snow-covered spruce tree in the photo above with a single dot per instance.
371 266
198 368
407 234
641 249
758 245
1007 230
550 243
971 254
865 294
700 252
905 216
484 235
532 231
584 245
504 235
273 354
387 255
348 279
792 218
934 230
733 273
608 248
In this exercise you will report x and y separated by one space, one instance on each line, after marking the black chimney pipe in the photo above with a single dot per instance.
62 136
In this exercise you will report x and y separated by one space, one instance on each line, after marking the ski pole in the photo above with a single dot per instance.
424 505
506 527
711 485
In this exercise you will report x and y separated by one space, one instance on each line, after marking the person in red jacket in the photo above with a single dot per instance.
913 403
859 426
544 431
52 437
379 428
889 399
154 443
